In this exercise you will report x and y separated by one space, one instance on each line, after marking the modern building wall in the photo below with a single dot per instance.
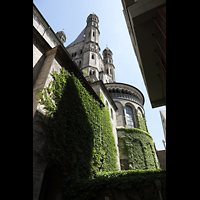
163 119
146 22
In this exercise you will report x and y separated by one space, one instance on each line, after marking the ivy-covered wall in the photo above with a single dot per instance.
78 134
141 121
121 185
137 145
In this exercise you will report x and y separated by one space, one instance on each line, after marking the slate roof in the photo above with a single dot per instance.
80 38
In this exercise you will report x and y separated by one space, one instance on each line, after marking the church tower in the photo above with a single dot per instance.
109 69
92 29
85 50
91 49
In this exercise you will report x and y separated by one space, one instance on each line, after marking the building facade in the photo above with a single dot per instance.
126 101
96 73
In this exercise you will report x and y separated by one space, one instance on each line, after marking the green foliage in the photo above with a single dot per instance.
51 95
78 134
138 146
141 121
85 72
78 138
108 142
140 180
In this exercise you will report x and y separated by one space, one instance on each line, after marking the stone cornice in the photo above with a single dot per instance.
46 31
125 91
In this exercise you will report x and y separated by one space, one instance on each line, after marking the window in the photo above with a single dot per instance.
74 54
93 34
92 56
111 112
129 117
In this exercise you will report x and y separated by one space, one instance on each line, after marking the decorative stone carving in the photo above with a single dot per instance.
90 48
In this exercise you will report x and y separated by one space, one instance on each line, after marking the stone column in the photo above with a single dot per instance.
124 113
42 77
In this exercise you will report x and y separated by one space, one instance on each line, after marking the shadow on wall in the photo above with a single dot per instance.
51 185
68 141
78 134
69 134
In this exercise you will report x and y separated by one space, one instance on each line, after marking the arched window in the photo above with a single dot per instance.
111 72
129 117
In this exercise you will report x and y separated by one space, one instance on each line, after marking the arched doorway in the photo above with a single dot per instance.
51 186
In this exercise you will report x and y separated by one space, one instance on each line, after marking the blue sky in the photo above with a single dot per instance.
71 16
